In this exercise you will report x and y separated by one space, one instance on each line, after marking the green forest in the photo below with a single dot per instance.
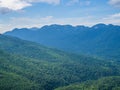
106 83
26 65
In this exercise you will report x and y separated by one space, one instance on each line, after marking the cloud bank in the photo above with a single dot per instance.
15 5
48 20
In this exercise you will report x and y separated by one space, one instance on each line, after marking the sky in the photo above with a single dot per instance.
37 13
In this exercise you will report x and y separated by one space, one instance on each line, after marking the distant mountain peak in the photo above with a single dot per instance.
20 29
100 25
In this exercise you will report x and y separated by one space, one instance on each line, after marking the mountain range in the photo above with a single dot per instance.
99 40
61 57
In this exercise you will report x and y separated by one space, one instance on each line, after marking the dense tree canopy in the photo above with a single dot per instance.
107 83
29 66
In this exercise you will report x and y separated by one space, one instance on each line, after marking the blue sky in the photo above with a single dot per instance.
36 13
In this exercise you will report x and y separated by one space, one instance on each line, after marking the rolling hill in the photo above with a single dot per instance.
99 40
30 66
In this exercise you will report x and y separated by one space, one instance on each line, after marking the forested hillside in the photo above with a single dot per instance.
30 66
100 40
107 83
10 79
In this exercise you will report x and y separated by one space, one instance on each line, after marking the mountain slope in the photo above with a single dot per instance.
10 79
107 83
102 40
45 68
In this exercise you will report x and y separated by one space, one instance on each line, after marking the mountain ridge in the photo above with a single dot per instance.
100 39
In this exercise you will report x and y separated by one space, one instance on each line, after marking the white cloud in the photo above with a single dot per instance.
45 1
80 2
117 15
23 22
4 27
20 4
14 4
115 3
112 19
